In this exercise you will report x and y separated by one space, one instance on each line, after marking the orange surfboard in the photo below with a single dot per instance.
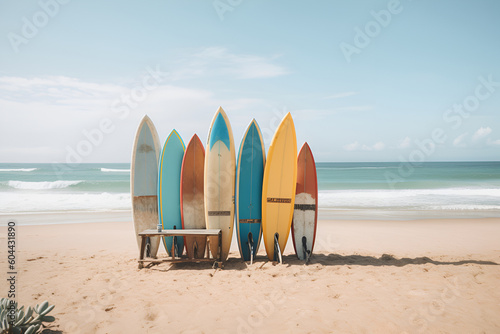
192 202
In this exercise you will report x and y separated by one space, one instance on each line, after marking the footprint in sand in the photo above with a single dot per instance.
479 277
417 293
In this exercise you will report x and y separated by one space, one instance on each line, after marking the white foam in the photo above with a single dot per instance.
412 199
396 193
42 185
17 202
111 170
352 168
18 169
466 207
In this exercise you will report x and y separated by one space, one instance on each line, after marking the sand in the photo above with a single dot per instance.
425 276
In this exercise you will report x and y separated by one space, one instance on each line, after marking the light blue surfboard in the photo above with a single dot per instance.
169 181
249 175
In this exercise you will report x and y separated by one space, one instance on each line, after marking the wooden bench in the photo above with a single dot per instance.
181 233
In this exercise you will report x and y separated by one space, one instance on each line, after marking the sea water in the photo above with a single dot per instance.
101 192
52 193
403 191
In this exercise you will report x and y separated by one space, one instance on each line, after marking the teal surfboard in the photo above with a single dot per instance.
169 181
249 175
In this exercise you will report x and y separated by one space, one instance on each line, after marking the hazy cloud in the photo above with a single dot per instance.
460 140
352 147
218 61
356 146
494 142
379 146
340 95
481 133
405 143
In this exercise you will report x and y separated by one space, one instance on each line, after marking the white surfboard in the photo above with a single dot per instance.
144 181
220 170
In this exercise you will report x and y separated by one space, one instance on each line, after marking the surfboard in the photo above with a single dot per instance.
219 180
305 215
144 181
278 188
169 183
192 201
248 196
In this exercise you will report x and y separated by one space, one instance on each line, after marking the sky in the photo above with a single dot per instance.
406 81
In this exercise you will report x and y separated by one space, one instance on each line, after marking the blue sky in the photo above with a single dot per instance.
409 80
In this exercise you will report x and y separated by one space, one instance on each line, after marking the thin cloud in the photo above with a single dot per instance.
218 61
494 142
378 146
340 95
356 146
321 114
352 147
460 140
58 86
355 108
405 143
77 108
481 133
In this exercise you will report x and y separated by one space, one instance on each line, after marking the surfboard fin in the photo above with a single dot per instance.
277 250
307 253
250 246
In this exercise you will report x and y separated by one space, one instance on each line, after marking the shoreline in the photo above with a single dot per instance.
84 217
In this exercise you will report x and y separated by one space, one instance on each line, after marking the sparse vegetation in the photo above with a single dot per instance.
23 321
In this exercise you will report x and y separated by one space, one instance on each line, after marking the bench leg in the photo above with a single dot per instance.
220 247
141 252
208 246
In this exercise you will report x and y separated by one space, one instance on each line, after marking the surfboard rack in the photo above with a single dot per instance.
181 233
277 250
307 253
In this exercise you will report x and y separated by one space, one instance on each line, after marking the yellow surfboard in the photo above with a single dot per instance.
278 188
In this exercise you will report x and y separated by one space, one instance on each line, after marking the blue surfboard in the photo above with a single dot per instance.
169 181
248 198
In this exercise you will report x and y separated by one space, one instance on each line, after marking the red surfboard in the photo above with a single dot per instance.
192 200
305 214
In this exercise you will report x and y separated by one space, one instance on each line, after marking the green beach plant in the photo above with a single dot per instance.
14 320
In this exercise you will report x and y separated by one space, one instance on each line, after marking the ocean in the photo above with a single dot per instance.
30 193
402 191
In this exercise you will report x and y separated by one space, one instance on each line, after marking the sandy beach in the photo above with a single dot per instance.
420 276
